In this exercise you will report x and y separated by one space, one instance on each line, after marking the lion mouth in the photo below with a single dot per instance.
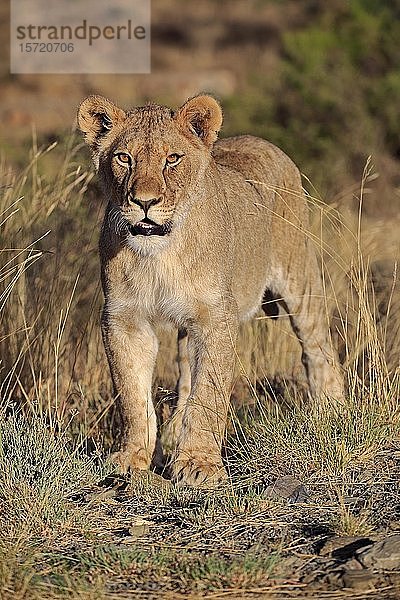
148 227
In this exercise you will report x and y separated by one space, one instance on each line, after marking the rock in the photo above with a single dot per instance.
114 481
354 565
139 528
344 547
359 579
287 488
106 490
384 555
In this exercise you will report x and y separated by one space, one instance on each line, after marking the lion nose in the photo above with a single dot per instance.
144 204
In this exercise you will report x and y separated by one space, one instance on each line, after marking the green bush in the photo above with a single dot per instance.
333 100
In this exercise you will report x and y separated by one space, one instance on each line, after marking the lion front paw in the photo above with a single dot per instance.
199 473
131 460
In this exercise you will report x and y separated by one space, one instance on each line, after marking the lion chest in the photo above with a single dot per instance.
153 290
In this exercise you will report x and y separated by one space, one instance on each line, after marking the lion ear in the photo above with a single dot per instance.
202 116
96 117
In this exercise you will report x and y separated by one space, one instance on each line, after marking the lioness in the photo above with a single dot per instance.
197 233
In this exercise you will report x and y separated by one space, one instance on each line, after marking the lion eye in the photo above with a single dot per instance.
173 159
123 158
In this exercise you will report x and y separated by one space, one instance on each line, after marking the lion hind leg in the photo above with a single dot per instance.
304 301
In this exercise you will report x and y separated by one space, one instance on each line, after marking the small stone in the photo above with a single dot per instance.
384 555
139 528
287 488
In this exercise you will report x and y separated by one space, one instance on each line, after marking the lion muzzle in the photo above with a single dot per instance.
147 227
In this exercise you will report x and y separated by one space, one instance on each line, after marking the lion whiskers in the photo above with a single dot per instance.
117 221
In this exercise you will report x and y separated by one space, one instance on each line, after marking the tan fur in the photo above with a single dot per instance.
235 224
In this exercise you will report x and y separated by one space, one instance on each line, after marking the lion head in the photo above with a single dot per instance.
150 160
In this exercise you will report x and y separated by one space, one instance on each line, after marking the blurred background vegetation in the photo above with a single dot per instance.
320 79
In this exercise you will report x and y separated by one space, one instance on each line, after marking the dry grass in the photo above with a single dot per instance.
63 535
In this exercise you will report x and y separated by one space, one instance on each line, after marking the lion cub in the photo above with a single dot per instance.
196 232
